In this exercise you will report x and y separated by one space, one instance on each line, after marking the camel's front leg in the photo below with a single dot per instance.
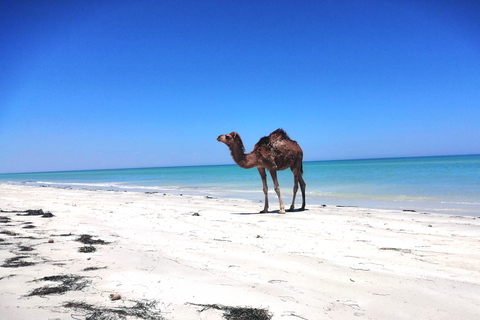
273 173
263 174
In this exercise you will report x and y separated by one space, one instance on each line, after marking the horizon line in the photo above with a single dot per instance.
232 164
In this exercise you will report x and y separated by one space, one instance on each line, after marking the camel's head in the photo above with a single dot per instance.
229 138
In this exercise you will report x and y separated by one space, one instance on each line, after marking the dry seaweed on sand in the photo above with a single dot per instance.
87 249
87 239
238 313
4 219
17 261
9 233
93 268
146 310
25 248
9 276
68 282
34 212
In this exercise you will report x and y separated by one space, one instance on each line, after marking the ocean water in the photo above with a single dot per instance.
447 184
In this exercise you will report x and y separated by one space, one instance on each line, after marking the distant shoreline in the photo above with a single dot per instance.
447 184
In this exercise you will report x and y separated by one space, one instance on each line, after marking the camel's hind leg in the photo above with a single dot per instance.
302 187
263 175
297 178
295 189
273 173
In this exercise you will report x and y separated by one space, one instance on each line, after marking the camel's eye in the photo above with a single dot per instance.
228 137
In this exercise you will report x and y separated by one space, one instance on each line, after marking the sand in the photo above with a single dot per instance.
173 253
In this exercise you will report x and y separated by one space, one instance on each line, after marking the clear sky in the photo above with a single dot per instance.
116 84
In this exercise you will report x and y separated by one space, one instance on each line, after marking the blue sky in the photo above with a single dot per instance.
115 84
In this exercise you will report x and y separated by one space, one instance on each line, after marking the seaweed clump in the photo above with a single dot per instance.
146 310
17 261
238 313
33 212
68 282
4 219
87 239
87 249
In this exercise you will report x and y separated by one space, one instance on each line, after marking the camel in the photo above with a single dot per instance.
275 153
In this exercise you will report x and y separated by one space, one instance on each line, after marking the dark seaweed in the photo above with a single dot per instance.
146 310
93 268
238 313
87 239
16 262
68 282
87 249
5 219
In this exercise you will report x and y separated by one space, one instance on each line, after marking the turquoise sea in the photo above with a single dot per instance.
446 184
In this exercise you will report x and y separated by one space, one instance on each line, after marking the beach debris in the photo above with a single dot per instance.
25 248
292 314
4 219
9 276
47 215
87 249
32 212
196 214
51 241
87 239
146 310
17 261
68 282
237 313
115 296
408 210
63 235
396 249
9 233
93 268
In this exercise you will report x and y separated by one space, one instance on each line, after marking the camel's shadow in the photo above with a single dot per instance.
273 212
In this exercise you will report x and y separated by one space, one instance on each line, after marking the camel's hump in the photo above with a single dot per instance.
276 135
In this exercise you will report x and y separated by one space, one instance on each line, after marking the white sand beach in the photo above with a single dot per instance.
185 251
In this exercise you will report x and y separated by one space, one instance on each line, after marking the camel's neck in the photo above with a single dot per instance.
246 161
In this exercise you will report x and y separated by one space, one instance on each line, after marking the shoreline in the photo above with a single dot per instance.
183 251
423 206
447 185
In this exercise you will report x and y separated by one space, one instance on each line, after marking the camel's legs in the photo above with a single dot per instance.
273 173
263 175
295 189
297 176
302 187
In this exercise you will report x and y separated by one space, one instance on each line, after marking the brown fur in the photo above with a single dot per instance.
274 153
